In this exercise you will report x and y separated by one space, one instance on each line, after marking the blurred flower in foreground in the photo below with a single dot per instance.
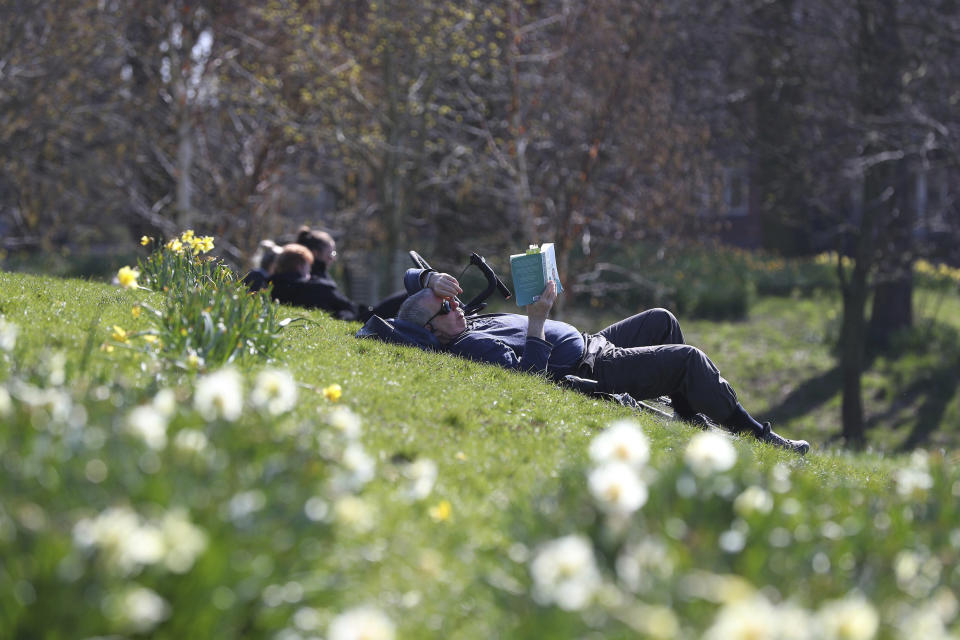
220 394
622 441
184 541
421 474
354 513
361 623
149 425
710 452
850 618
136 311
127 277
137 609
750 619
916 477
617 488
565 573
441 511
274 390
333 392
358 468
119 334
346 421
753 500
8 335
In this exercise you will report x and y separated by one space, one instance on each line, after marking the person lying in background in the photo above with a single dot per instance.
293 284
643 355
264 259
324 249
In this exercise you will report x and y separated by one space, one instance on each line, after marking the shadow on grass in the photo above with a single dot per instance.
933 393
807 396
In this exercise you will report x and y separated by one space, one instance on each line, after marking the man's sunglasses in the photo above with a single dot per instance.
444 310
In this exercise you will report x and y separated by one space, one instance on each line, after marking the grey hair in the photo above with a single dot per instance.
414 309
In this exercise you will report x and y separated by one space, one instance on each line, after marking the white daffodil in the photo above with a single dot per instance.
617 488
750 619
752 500
421 475
165 402
361 623
220 395
355 513
141 609
275 391
623 441
149 425
127 543
357 468
849 618
709 453
8 335
345 421
565 573
183 541
190 441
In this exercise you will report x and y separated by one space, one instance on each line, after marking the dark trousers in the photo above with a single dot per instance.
649 360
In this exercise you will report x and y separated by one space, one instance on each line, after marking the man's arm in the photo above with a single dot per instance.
538 311
443 285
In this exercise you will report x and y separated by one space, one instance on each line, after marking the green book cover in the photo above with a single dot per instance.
532 270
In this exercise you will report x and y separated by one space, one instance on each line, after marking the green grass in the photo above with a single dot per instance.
287 550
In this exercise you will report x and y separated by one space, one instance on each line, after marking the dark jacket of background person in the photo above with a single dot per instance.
313 293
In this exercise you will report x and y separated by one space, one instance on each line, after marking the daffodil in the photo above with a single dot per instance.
135 312
441 511
119 334
145 240
150 338
127 277
333 392
175 245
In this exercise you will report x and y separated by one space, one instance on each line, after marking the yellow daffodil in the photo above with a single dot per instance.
333 392
440 512
175 245
145 240
205 243
136 311
187 236
127 277
119 334
151 338
108 348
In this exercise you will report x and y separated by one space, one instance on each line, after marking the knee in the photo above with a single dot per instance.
667 320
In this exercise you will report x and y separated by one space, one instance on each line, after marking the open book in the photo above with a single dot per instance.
531 272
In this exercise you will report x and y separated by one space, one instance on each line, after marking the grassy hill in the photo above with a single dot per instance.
430 497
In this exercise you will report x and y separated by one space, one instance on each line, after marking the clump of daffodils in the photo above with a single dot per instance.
190 242
129 542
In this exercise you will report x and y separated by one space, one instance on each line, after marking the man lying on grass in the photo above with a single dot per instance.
643 355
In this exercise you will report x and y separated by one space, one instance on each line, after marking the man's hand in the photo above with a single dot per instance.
443 285
537 311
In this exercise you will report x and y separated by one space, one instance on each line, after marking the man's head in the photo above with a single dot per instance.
443 317
295 259
321 243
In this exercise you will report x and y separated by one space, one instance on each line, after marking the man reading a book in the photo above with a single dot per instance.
643 355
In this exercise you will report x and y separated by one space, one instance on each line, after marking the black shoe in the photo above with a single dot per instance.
772 437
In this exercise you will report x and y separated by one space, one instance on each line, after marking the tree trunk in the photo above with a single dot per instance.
879 77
